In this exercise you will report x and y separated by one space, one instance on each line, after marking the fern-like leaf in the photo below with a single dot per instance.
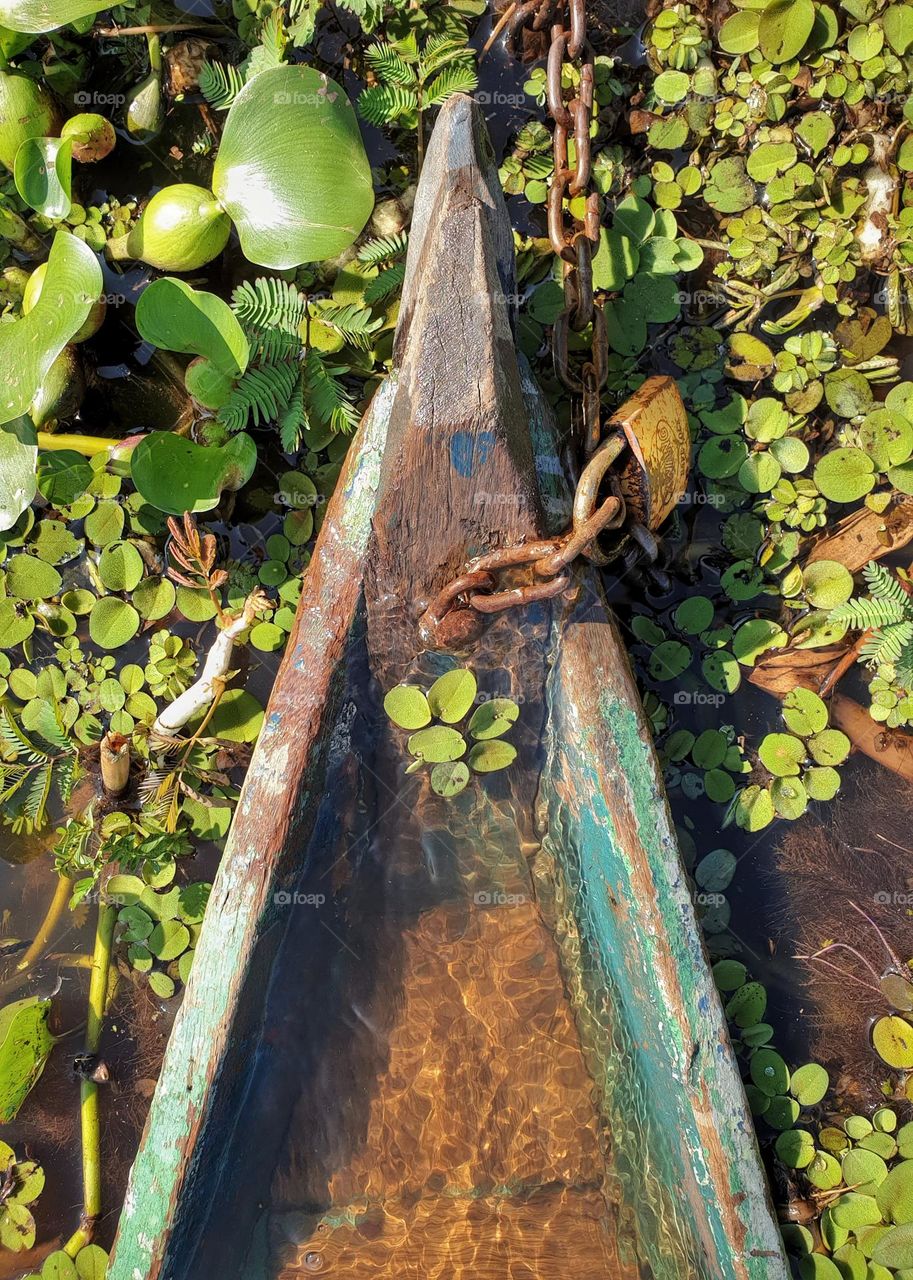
269 303
390 65
293 420
384 249
457 79
270 52
384 103
888 643
326 397
352 322
220 84
386 284
865 614
441 50
886 586
260 394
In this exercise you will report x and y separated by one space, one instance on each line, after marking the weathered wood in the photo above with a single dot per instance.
493 1048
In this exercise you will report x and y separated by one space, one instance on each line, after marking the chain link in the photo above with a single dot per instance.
456 615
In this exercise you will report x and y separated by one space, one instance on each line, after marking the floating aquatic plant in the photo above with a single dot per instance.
450 700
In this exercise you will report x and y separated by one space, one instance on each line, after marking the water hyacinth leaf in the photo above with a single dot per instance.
176 475
43 175
37 16
784 27
18 456
809 1084
437 745
172 315
25 1043
291 171
894 1249
449 779
113 622
892 1040
407 706
493 718
452 695
488 757
31 344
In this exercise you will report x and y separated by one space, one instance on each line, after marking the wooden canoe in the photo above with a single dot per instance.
438 1039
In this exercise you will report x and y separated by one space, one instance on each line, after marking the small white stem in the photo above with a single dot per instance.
218 661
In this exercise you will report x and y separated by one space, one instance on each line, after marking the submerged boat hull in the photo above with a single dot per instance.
449 1038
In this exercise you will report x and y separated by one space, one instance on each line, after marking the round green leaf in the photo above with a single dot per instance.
892 1039
120 566
796 1148
809 1084
769 1072
845 475
449 779
437 745
452 695
153 598
827 584
112 622
42 172
493 718
488 757
28 578
784 27
782 754
407 706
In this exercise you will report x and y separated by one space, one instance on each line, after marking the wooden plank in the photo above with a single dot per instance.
584 1019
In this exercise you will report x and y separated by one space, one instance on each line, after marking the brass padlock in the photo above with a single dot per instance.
653 471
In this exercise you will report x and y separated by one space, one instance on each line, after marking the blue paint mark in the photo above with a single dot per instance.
467 451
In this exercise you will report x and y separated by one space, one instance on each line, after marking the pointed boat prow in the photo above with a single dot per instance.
462 1038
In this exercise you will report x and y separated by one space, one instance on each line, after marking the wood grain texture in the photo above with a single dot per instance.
495 1095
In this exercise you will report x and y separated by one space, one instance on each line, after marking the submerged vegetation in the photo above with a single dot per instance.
755 164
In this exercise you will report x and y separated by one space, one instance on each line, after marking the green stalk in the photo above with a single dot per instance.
52 918
88 1089
86 445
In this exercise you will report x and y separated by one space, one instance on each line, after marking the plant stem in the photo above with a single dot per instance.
158 27
89 446
57 907
88 1089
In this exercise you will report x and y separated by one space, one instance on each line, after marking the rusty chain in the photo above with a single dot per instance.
456 615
